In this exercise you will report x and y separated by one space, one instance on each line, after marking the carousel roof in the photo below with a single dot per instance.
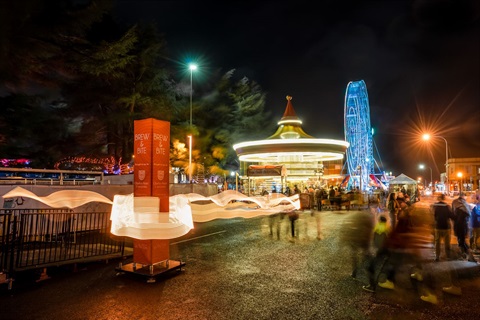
290 143
290 126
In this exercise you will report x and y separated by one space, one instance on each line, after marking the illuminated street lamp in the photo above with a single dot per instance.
234 173
427 137
460 175
192 67
422 166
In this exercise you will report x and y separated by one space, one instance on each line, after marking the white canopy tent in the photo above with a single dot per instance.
396 184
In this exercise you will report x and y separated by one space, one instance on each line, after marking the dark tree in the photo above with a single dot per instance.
38 39
233 111
22 119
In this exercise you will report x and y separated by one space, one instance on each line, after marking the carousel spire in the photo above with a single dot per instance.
290 126
289 113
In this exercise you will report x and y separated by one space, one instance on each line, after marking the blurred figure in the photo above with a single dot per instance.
296 190
461 211
393 207
287 191
293 216
403 217
380 236
275 222
397 249
417 195
442 213
331 196
475 224
401 198
318 222
356 235
318 198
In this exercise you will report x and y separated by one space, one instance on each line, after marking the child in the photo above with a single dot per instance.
380 235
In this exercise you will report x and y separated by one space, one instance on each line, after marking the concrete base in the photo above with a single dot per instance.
152 270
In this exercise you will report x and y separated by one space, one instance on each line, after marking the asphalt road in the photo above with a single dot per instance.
236 270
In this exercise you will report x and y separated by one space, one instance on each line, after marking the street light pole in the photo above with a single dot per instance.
190 158
427 137
447 180
431 176
236 179
361 187
192 67
460 176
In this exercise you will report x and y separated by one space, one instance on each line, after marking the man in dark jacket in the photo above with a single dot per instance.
442 214
461 211
356 235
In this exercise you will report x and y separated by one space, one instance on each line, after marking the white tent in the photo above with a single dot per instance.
402 180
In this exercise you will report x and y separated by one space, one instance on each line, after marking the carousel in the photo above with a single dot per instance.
290 157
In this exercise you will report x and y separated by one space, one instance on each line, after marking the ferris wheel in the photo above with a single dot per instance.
358 133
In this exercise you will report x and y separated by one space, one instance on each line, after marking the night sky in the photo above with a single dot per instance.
419 59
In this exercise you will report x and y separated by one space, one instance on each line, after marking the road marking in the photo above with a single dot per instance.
206 235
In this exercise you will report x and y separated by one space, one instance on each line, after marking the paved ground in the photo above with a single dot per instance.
236 270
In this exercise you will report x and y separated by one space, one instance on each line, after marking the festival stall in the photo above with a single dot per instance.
266 177
403 182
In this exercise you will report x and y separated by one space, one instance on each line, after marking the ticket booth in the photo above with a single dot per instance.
270 178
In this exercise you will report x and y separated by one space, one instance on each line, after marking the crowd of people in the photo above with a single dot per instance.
397 239
331 197
394 237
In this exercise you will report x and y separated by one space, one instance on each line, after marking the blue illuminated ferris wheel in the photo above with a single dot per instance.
358 133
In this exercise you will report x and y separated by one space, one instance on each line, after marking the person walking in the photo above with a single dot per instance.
318 198
396 250
380 236
355 235
475 224
393 207
403 217
296 190
461 211
443 215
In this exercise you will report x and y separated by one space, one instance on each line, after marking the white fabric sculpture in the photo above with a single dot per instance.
140 218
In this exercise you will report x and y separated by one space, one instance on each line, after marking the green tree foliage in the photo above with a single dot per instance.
40 40
233 112
125 81
104 77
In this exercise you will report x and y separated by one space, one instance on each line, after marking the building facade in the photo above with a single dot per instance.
463 174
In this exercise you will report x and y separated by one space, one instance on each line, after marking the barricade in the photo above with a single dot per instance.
39 238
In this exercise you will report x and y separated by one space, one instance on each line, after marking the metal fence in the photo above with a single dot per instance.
39 238
14 176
